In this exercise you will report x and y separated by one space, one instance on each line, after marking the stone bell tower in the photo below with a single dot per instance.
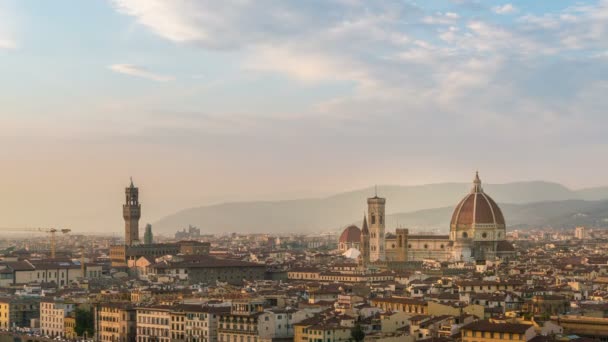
131 212
375 210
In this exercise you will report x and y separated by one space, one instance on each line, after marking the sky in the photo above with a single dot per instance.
208 101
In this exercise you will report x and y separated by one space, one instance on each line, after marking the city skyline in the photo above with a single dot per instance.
203 102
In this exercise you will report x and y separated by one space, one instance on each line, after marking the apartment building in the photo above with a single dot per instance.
489 331
241 324
52 316
115 322
190 322
154 323
18 311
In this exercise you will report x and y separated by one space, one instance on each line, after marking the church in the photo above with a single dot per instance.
477 233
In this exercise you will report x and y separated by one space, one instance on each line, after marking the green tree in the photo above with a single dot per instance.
357 334
84 322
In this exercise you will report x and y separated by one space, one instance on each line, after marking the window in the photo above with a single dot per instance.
426 246
380 219
465 235
373 219
484 235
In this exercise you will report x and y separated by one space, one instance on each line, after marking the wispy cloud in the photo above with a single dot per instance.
138 71
505 9
7 28
7 44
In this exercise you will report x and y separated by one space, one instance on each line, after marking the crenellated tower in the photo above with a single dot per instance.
131 212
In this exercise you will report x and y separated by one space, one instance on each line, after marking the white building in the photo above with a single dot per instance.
580 233
52 316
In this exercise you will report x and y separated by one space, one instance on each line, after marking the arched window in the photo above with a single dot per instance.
484 235
465 235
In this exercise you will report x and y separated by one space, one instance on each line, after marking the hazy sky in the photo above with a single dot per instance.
203 101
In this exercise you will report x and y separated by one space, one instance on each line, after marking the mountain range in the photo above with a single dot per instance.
420 207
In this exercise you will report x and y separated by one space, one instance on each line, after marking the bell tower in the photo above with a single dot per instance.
376 218
131 212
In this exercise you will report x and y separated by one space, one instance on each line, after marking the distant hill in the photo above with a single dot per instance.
557 214
419 203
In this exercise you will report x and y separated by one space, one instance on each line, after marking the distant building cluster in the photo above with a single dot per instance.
191 233
479 283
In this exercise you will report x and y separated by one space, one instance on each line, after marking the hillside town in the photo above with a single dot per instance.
481 283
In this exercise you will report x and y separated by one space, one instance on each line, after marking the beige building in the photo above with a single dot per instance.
322 332
52 316
488 331
60 272
115 322
580 233
241 324
407 305
190 323
69 329
154 323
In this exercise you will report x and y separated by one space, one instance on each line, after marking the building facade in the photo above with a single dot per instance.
115 322
18 311
154 323
52 316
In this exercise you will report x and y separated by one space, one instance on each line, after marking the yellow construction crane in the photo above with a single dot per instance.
51 231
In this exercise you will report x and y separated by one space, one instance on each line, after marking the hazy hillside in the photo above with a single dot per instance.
331 213
557 214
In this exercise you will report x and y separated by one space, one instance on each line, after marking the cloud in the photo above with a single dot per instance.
407 66
7 28
505 9
138 71
7 44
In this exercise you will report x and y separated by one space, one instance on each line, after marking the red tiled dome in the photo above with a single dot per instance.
477 208
351 234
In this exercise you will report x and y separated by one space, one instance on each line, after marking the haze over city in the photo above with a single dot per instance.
205 102
303 171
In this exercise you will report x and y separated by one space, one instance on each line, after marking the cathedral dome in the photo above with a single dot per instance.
477 209
352 234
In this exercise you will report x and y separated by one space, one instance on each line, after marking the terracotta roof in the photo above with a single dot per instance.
485 325
477 208
504 246
350 235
